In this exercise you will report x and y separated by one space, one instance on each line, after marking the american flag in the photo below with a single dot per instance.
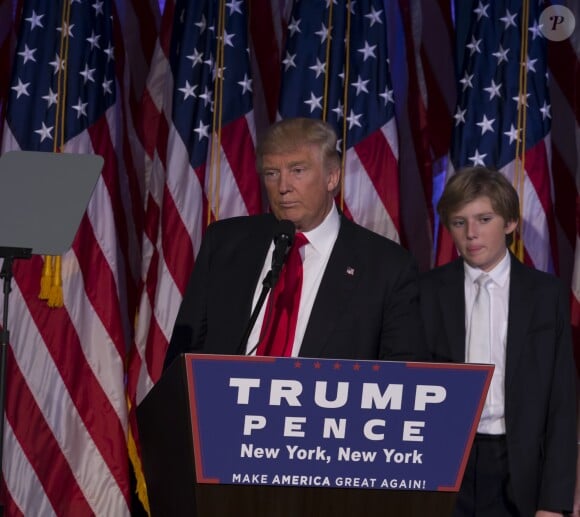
77 74
335 67
564 83
420 36
7 43
495 42
201 162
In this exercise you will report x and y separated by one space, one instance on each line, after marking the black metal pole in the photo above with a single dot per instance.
267 284
6 275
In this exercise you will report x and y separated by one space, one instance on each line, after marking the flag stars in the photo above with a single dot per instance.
323 33
387 95
459 116
98 7
228 39
67 29
318 68
474 46
87 74
218 72
246 84
374 16
107 86
196 58
360 85
501 54
545 111
368 51
466 81
110 51
314 102
80 108
93 40
481 11
21 89
35 20
522 99
512 134
353 120
206 96
28 54
209 62
202 24
536 30
294 27
188 90
530 64
57 64
477 159
339 110
44 132
493 90
202 130
289 62
486 124
234 6
51 98
509 20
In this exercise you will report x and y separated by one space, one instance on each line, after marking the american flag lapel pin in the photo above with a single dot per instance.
350 271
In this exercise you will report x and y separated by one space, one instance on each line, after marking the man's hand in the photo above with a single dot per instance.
544 513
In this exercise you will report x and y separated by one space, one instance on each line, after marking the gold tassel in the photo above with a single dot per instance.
46 278
141 488
56 298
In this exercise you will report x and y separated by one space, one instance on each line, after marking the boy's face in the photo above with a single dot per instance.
479 233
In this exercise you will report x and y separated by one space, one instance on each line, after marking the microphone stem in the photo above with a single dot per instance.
266 286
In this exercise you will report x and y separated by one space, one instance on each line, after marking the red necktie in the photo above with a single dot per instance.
279 326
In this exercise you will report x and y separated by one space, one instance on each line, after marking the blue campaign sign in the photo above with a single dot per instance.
335 423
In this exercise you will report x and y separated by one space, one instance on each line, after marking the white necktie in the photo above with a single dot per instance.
478 345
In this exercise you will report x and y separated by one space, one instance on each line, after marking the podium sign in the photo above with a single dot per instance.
333 423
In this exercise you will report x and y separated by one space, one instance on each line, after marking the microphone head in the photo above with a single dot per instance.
285 230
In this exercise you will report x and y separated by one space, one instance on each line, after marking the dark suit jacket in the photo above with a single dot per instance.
369 314
540 403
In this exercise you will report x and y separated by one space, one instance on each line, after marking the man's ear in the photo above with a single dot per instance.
333 179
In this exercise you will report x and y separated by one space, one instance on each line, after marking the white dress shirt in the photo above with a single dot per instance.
315 256
493 416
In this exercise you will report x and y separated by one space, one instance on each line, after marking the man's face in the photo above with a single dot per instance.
299 188
479 233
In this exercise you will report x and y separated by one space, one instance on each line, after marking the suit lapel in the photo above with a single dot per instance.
248 258
253 257
520 312
452 300
340 278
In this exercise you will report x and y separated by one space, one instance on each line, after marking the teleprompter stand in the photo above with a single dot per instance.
43 197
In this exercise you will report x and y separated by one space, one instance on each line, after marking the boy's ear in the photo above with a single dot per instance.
510 226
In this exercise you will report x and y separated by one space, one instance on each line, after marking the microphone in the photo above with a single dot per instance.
283 239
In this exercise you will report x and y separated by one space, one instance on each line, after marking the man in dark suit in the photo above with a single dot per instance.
522 462
359 290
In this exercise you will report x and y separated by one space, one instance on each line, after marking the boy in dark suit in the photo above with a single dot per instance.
487 307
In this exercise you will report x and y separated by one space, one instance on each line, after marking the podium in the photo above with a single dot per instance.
169 435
